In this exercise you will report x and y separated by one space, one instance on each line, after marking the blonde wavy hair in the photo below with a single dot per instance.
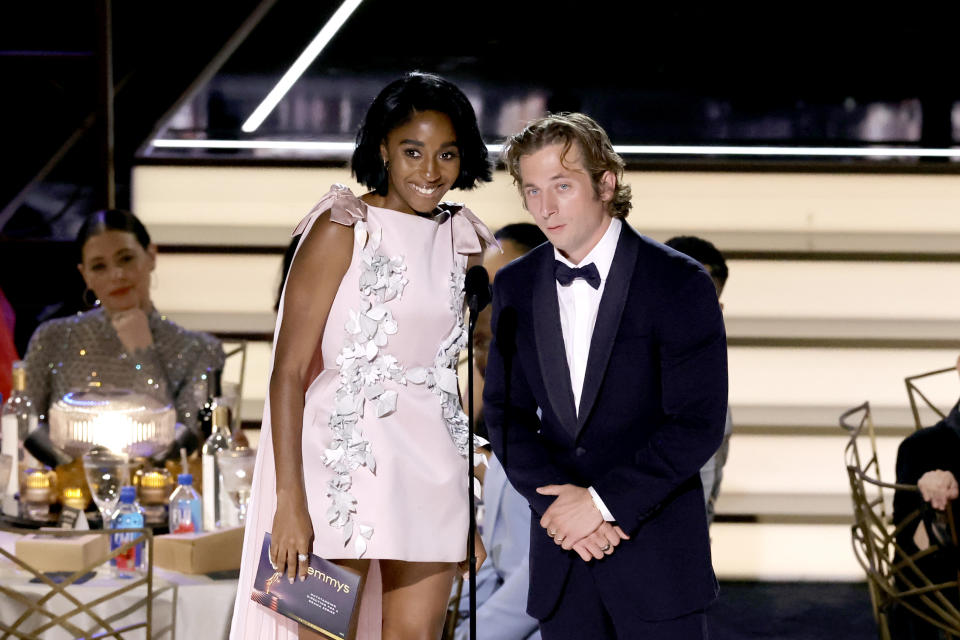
596 150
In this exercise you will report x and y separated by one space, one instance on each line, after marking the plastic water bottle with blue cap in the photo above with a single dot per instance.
186 508
128 515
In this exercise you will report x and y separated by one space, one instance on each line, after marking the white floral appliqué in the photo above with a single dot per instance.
365 367
363 370
441 378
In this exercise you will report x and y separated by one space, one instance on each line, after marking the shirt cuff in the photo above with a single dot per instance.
599 504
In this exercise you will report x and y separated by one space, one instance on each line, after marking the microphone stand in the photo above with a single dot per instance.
478 294
472 530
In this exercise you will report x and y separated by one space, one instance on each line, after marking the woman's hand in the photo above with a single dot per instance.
938 487
478 550
133 329
291 536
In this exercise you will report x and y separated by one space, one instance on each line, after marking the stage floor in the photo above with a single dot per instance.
792 611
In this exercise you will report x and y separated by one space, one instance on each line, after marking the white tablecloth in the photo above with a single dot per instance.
203 605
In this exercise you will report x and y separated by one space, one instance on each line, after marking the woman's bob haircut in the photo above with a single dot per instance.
395 106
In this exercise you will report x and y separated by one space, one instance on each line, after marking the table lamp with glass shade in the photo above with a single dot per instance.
124 422
109 427
236 475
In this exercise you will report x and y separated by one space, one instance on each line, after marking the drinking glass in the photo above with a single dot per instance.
230 396
236 476
106 473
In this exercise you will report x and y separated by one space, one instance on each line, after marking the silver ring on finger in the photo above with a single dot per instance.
605 547
302 557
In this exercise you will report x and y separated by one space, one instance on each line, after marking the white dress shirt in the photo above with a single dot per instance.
579 304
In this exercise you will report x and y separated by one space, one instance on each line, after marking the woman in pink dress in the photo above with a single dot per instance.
363 448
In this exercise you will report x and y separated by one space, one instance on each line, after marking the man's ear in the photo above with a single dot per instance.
607 186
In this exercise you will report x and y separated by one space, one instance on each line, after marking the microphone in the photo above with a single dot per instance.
477 289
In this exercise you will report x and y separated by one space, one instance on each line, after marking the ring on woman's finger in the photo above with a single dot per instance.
302 557
560 539
605 547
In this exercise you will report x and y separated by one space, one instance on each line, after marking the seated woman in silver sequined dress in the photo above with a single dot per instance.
124 342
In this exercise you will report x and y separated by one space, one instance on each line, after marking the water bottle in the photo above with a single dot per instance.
186 508
215 499
128 515
18 419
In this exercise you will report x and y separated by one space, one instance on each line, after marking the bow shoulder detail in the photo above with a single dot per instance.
345 208
468 229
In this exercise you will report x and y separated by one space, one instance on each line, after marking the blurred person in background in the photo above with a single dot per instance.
124 342
8 352
712 260
504 579
515 240
930 459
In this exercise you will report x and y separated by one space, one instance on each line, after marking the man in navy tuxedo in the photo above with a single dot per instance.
606 391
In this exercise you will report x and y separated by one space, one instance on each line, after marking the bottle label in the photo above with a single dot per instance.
131 559
211 493
184 516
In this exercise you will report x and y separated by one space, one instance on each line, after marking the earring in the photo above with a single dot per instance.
386 165
86 298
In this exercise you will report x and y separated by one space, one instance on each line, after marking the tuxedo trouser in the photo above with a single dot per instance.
581 615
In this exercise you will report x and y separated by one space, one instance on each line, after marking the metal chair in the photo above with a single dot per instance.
453 610
42 614
914 392
893 575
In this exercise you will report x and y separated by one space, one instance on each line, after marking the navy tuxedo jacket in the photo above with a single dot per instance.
651 413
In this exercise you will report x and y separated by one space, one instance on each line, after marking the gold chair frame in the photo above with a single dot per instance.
453 610
913 391
241 349
104 626
887 566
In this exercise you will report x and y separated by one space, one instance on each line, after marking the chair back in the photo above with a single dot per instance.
919 399
894 575
126 611
452 618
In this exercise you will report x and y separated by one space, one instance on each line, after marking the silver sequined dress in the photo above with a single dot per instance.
69 353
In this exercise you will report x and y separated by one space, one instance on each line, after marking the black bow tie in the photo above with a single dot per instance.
565 275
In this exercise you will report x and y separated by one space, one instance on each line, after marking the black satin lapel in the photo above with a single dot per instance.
550 348
608 319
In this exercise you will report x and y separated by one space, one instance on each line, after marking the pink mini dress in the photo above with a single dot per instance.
384 434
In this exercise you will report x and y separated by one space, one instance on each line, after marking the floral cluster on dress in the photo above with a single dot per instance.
441 378
363 370
365 367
